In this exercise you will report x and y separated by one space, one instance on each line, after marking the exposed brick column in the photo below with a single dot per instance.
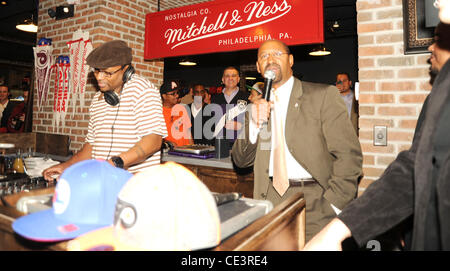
393 85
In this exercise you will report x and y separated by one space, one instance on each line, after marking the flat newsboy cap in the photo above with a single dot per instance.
110 54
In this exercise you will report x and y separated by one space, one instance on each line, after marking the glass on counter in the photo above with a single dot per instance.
3 159
18 166
2 164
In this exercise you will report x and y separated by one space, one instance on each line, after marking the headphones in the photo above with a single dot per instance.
111 96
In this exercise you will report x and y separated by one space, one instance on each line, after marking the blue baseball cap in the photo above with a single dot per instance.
84 200
187 221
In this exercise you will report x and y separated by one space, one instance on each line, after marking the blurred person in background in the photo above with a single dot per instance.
176 116
344 84
201 133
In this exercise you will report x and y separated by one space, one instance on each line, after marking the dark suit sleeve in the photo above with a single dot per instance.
218 98
18 126
386 202
7 113
390 199
343 145
243 152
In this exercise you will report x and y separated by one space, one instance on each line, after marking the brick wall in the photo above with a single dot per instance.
393 86
104 20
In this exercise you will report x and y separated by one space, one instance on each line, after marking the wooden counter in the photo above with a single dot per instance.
8 213
38 142
281 229
219 175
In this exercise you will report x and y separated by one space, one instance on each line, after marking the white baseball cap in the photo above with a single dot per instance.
165 207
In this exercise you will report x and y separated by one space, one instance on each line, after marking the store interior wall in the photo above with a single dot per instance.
344 58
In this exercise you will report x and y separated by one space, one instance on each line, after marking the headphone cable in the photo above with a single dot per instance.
112 131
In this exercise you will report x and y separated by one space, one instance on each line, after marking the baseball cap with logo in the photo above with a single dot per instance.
168 86
165 207
84 200
258 86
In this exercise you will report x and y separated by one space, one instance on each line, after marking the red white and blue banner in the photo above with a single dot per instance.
231 25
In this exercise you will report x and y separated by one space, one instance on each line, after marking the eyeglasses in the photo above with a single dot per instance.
274 54
105 73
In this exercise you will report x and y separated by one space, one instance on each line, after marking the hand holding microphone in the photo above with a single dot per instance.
261 109
269 75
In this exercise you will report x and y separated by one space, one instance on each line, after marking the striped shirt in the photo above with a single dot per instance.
115 129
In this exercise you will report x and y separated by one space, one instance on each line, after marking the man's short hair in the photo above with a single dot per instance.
346 73
442 34
198 84
230 68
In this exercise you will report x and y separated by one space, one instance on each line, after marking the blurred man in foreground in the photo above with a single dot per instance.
416 185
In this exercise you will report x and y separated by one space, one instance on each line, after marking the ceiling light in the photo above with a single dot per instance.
250 78
4 3
187 62
27 26
319 51
336 24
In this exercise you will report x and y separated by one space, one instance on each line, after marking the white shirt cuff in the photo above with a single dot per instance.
253 132
336 210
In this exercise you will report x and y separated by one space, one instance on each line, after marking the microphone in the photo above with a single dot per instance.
227 197
269 75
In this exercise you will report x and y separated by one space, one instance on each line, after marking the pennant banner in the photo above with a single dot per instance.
79 48
43 63
62 68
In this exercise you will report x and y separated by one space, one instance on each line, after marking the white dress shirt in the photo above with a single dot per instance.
348 100
194 109
295 170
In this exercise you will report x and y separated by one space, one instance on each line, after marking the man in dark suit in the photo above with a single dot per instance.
323 154
416 186
343 83
201 132
230 97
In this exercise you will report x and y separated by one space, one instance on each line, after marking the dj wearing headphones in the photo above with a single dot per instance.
126 124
